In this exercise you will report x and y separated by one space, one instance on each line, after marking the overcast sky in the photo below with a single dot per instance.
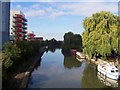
53 18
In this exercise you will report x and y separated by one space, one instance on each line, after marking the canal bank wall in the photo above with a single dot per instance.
22 78
97 61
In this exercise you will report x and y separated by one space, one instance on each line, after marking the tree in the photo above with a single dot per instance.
101 35
71 41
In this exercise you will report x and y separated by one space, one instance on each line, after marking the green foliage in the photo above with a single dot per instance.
52 43
8 63
15 54
10 53
90 79
101 35
18 52
71 41
71 62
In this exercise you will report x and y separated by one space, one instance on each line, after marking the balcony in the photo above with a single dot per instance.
24 32
24 27
24 23
19 35
30 38
31 35
17 16
19 21
14 21
14 25
17 39
13 29
18 30
19 25
24 19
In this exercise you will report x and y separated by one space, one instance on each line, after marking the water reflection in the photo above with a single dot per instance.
53 74
71 62
56 71
89 79
52 48
38 64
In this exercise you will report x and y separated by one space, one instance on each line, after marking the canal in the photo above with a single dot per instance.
56 71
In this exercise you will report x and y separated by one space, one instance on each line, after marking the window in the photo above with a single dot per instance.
112 70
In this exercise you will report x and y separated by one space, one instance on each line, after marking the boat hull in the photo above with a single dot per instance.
107 81
107 74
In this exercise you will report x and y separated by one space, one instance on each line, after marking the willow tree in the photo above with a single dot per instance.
101 35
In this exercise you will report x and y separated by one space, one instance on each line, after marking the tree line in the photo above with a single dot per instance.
52 43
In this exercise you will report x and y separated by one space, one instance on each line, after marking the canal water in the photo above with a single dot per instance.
56 71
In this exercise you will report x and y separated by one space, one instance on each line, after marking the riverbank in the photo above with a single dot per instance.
21 79
96 62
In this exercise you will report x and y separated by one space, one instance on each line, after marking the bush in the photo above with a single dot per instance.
14 54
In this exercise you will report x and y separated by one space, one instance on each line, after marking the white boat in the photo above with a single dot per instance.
108 70
80 55
79 59
107 81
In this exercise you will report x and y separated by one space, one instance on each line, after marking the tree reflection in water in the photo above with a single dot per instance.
71 62
89 79
53 48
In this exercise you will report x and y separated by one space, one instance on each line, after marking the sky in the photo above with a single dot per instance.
53 18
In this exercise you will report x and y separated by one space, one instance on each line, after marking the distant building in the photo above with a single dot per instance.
4 22
18 24
30 36
40 39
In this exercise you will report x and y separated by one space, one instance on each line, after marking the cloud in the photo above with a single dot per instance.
64 0
33 0
34 13
86 9
35 6
18 6
31 11
56 14
53 10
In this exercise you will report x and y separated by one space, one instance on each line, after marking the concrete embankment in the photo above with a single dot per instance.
21 80
100 61
97 61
